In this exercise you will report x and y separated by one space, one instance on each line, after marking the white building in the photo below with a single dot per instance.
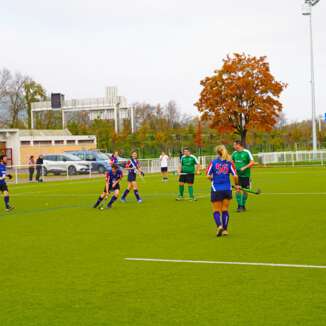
111 107
19 144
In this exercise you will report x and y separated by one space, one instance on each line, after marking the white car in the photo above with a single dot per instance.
63 164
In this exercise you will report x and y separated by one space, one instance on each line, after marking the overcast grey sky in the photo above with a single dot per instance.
159 50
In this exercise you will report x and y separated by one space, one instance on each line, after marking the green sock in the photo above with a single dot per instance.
181 190
244 198
191 191
238 196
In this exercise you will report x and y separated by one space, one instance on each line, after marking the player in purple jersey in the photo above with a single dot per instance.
218 172
114 159
3 185
133 168
112 179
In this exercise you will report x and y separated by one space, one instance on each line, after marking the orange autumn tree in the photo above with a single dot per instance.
198 137
243 95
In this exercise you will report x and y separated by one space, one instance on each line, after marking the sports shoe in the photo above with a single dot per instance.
179 198
219 231
139 201
193 199
240 209
109 206
225 232
10 208
123 200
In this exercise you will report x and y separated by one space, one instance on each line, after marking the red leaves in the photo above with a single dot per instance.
242 95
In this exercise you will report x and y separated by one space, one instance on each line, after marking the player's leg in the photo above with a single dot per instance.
182 181
114 197
217 207
240 195
126 192
6 198
191 180
245 194
136 192
225 215
100 199
165 174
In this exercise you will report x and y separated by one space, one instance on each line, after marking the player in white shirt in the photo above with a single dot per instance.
164 159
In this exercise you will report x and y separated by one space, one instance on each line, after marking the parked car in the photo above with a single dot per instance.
100 162
63 163
121 160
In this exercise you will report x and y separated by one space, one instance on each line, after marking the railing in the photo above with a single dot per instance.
292 158
22 173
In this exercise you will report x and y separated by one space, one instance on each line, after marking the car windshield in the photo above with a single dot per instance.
102 156
70 157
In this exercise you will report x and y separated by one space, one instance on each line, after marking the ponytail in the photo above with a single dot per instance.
222 152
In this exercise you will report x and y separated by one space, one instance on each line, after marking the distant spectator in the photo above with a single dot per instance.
164 159
39 167
31 167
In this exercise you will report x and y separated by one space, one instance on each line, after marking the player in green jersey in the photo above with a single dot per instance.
243 161
189 165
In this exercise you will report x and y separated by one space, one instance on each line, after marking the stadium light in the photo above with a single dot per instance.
307 11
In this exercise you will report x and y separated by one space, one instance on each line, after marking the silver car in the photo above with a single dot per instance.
64 163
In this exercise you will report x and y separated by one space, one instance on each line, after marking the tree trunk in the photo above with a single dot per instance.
243 135
29 110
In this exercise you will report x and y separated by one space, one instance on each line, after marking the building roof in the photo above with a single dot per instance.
40 132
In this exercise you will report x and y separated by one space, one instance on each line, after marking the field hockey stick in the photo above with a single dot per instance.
182 173
250 191
104 201
177 173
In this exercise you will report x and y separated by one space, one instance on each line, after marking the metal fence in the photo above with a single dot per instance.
292 158
22 173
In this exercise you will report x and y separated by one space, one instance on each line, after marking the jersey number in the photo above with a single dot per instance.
222 168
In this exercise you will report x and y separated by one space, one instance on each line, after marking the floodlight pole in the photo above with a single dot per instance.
309 4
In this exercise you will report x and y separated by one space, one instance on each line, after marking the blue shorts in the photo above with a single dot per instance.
132 177
3 187
220 195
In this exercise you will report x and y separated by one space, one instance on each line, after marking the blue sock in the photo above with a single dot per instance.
225 219
98 201
137 194
6 199
125 194
217 218
112 200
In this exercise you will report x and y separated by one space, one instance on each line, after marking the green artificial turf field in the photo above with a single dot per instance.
63 263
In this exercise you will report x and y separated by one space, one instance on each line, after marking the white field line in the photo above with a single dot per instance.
224 263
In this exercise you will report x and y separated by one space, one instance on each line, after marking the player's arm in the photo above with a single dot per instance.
198 166
107 181
4 176
251 162
209 171
179 169
234 176
138 167
118 180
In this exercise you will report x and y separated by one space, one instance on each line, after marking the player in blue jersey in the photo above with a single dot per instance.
133 168
114 159
218 172
3 185
112 179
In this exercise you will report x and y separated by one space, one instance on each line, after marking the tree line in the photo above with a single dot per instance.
240 100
